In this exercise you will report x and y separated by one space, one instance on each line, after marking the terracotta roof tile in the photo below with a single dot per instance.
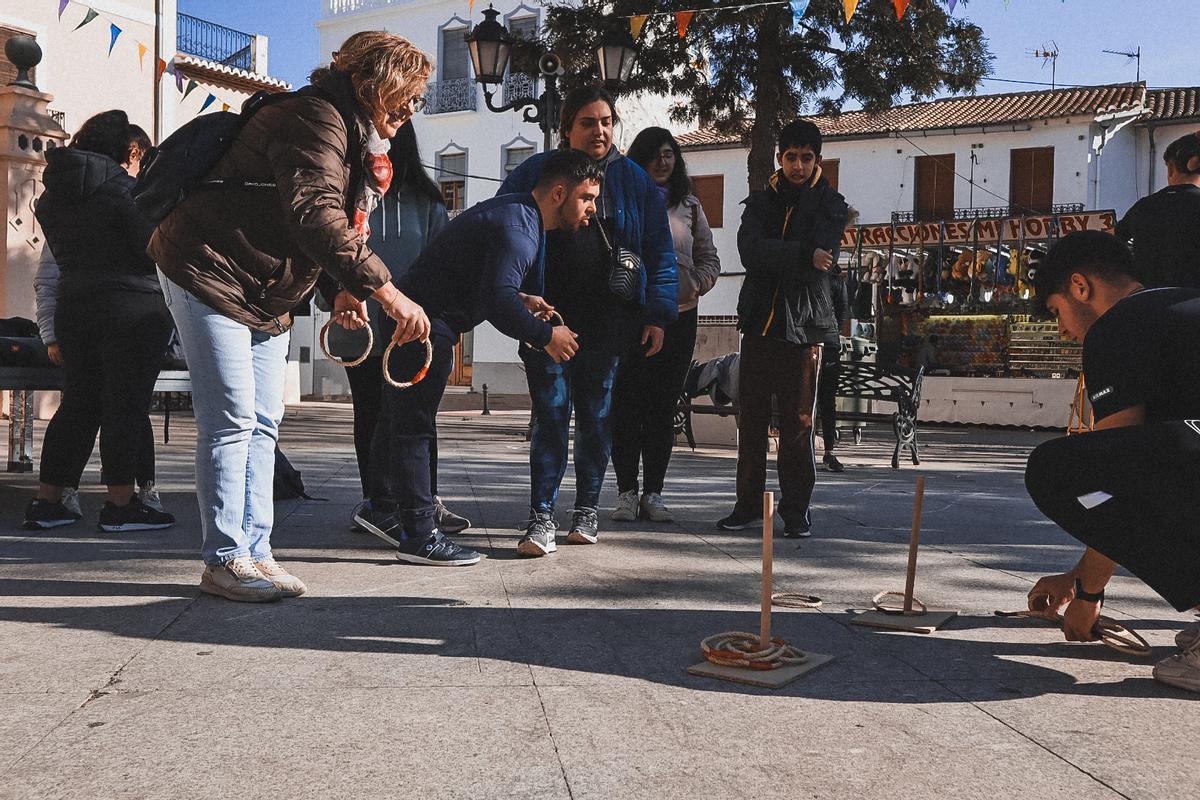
1173 104
971 112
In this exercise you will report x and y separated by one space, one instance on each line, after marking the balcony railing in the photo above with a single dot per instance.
335 7
990 212
446 96
519 85
208 40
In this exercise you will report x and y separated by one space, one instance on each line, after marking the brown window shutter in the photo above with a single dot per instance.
1031 180
934 192
830 170
710 190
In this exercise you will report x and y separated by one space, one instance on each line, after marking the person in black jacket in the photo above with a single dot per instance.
1165 226
111 324
787 241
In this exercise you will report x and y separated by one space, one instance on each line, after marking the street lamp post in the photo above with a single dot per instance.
491 44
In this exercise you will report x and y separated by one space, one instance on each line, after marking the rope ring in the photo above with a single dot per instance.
553 315
795 600
890 608
1110 632
321 340
420 376
740 649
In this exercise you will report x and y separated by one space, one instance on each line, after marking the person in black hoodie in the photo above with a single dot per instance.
1165 226
788 242
111 325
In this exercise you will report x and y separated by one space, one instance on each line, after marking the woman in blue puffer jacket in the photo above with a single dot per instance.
630 213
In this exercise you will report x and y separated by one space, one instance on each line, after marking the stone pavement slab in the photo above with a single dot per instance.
564 676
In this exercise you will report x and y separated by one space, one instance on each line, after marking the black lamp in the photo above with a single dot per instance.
615 55
491 46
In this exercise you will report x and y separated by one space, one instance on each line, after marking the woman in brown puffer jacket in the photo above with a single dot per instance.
234 262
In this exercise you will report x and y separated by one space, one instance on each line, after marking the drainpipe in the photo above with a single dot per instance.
1153 152
1099 163
157 105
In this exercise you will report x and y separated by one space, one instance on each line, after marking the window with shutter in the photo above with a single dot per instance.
513 156
455 62
934 194
452 171
710 191
829 171
1031 180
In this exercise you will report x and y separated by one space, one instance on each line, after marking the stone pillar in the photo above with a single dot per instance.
27 132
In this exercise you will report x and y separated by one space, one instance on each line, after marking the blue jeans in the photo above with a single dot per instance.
583 384
237 396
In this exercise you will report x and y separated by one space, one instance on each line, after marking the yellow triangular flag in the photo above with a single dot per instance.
682 20
850 6
471 7
142 50
635 24
224 106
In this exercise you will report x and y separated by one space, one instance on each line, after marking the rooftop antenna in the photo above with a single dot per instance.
1131 54
1048 55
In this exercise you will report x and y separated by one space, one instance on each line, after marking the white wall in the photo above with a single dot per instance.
1151 171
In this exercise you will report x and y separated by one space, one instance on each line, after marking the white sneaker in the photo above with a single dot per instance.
627 507
70 500
148 494
654 509
1181 670
239 580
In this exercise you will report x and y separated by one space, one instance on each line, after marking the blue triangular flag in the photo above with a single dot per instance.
115 32
798 9
208 101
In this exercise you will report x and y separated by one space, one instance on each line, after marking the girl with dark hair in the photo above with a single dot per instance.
630 216
409 216
108 327
648 386
1165 227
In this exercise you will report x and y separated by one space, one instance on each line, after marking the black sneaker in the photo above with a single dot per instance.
447 521
436 551
832 464
135 516
739 521
799 529
384 525
44 514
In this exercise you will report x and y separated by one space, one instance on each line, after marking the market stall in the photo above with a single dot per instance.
955 296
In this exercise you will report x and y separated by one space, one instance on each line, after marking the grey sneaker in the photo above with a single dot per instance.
70 501
1181 670
148 494
1183 640
239 580
287 584
540 531
585 526
447 521
627 507
654 509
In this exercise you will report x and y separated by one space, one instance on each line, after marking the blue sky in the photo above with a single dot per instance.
1082 29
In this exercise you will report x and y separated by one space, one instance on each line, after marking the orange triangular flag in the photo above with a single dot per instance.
162 67
142 50
471 7
850 7
635 24
682 20
901 7
224 106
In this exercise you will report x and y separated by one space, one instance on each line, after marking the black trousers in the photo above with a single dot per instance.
405 438
831 368
366 395
1151 524
645 395
788 372
112 344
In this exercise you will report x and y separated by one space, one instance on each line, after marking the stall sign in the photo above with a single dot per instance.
983 231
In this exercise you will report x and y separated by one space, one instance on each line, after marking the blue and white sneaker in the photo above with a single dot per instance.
436 551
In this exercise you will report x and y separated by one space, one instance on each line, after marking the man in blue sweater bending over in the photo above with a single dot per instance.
472 271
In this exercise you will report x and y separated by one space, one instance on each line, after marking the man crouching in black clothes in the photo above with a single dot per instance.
1130 490
472 271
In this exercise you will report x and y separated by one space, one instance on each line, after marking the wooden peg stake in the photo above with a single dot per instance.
911 580
768 552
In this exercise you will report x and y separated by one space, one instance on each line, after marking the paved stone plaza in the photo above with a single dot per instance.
563 677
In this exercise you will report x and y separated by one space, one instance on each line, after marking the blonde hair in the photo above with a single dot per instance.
386 70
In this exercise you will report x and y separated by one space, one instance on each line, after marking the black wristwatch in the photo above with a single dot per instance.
1091 597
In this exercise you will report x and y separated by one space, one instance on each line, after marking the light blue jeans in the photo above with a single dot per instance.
237 396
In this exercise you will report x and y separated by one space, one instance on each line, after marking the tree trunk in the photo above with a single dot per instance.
768 97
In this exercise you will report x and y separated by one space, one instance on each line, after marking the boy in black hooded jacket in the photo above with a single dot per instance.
788 243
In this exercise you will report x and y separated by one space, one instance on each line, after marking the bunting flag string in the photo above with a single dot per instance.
682 20
636 22
161 66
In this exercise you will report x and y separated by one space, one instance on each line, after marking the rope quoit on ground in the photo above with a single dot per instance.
1112 633
321 340
761 652
421 373
795 600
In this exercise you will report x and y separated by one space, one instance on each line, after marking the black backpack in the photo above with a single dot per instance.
178 165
